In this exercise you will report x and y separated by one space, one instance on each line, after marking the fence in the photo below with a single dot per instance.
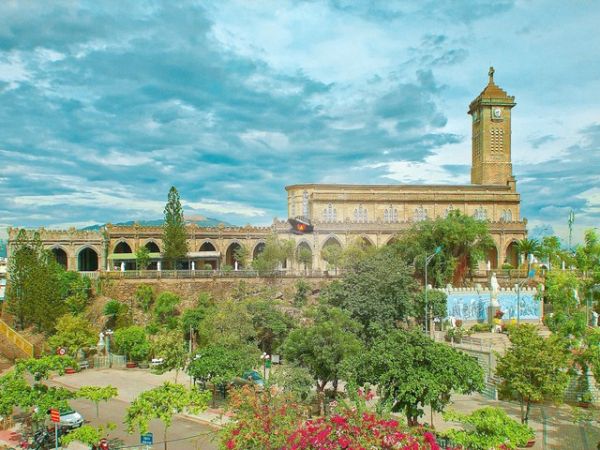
192 274
112 360
17 339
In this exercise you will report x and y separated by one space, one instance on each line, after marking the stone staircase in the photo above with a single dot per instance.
13 344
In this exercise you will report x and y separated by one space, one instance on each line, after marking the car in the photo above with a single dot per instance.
69 419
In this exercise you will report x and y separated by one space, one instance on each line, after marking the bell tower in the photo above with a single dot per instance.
491 160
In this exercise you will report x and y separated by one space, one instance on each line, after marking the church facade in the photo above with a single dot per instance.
340 214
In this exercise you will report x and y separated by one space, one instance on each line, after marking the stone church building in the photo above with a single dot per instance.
340 214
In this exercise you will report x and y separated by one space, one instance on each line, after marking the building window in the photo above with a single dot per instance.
293 212
305 204
360 214
329 214
480 213
420 214
390 215
506 215
448 210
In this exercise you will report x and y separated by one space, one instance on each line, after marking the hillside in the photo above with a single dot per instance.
199 220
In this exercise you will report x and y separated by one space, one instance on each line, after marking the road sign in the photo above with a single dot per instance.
55 415
61 351
147 438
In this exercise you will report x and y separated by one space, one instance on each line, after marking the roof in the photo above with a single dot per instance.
401 187
493 93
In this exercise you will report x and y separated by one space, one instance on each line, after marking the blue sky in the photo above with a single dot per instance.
105 105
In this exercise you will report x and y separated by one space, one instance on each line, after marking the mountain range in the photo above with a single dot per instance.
201 221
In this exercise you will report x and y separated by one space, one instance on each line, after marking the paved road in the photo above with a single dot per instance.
130 383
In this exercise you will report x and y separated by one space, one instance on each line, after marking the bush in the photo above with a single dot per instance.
481 328
301 294
166 308
457 334
144 296
132 342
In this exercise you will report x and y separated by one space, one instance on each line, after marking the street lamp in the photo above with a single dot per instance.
427 261
108 333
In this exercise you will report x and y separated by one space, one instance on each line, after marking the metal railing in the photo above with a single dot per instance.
17 339
190 274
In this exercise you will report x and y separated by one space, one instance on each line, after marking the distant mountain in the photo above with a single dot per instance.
201 221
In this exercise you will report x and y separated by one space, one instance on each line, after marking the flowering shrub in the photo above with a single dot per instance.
354 430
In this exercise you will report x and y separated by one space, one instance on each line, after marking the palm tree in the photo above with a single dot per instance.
528 247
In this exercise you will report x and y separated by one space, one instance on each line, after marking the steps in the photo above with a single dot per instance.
14 345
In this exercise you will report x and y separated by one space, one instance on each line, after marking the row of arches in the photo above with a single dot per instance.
88 258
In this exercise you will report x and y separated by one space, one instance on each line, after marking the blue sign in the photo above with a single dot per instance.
147 438
473 305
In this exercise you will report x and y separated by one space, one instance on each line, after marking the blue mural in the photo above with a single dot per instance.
472 305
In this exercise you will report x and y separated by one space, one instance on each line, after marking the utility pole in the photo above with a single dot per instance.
427 261
571 221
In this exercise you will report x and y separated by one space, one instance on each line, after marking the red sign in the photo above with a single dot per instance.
61 351
54 415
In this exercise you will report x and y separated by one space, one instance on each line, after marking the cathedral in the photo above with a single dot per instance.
339 214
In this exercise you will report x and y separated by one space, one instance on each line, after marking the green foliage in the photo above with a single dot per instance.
270 323
142 258
73 333
533 368
301 294
462 238
550 249
14 389
169 346
481 328
33 294
562 293
332 254
274 254
528 247
117 313
587 255
144 296
174 233
163 403
75 290
220 364
412 371
97 394
295 380
304 256
378 292
165 309
436 304
87 434
41 368
229 324
489 427
241 255
323 346
132 342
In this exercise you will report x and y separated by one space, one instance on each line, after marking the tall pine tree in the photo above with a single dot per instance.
174 234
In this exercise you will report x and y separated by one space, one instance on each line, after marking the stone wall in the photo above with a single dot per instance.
218 288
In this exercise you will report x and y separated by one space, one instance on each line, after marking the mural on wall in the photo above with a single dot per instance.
472 305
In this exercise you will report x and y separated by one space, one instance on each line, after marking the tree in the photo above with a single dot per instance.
142 258
174 232
274 254
96 394
33 292
144 296
489 427
117 314
165 309
169 346
463 241
241 255
132 342
73 333
74 290
323 346
527 247
332 254
271 324
229 323
294 380
304 257
301 294
220 364
533 368
88 435
412 371
378 292
163 403
550 249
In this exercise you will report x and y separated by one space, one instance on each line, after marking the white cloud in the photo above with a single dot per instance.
407 172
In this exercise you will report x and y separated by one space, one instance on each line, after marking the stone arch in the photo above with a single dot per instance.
491 255
258 249
87 259
152 246
230 258
60 255
207 246
331 240
365 241
392 240
512 254
305 248
122 247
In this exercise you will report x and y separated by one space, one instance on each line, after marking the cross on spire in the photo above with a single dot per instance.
491 74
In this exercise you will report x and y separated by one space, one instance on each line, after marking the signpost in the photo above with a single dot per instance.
55 417
147 439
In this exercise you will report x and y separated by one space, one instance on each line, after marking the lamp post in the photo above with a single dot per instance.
108 334
266 363
427 261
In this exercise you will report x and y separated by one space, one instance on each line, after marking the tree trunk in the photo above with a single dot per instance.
165 437
527 412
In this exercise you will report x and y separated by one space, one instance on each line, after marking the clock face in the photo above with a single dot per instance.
497 112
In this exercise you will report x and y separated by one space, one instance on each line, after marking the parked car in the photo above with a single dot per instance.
70 419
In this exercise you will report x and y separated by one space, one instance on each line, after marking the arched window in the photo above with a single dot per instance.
360 214
329 213
390 215
506 215
305 204
420 214
448 210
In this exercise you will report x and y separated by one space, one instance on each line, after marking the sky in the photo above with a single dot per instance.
105 105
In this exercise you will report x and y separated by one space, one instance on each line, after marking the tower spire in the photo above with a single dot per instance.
491 75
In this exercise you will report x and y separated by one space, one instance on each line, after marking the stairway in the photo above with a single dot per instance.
13 345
